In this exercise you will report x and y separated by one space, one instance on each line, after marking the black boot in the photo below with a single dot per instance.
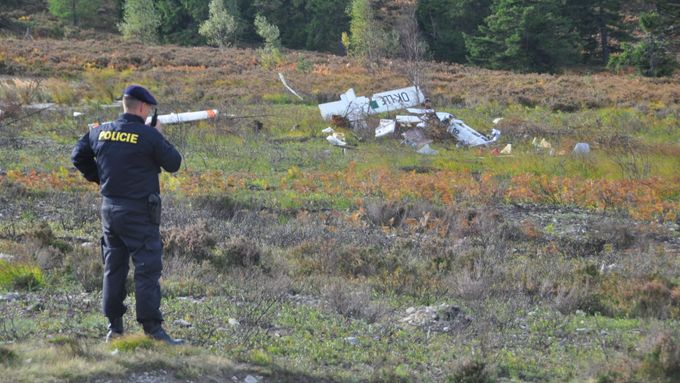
115 329
156 331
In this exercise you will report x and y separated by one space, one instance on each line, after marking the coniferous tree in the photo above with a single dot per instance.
140 21
597 22
73 11
325 24
290 16
524 35
444 22
181 19
651 56
367 39
222 27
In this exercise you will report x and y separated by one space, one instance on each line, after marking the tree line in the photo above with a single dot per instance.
521 35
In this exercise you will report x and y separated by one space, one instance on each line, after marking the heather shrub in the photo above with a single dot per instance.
195 241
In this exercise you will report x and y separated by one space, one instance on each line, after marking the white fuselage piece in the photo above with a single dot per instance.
357 108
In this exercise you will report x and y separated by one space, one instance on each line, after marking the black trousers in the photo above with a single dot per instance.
129 232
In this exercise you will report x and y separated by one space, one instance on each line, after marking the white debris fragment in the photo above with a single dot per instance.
581 148
77 114
468 136
355 108
328 130
283 80
427 150
337 139
40 106
176 118
497 120
507 149
386 127
415 138
408 120
233 322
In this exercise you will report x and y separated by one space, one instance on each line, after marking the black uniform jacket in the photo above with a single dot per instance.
124 157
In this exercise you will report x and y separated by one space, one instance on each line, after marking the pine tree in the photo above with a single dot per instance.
597 22
650 56
180 20
140 21
444 22
367 39
326 20
524 35
73 11
271 53
222 27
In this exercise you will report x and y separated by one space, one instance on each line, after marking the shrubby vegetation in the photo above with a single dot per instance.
544 36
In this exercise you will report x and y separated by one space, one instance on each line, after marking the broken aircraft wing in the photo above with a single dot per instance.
357 108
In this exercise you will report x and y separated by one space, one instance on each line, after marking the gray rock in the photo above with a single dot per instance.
182 323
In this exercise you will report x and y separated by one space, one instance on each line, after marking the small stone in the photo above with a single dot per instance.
410 310
250 379
37 307
233 322
182 323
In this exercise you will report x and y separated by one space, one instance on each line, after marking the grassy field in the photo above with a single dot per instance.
287 259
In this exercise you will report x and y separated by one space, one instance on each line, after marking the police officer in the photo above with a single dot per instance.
125 157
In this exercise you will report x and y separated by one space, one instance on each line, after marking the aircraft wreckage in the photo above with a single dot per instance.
356 109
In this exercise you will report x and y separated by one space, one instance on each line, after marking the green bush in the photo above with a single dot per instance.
7 356
20 276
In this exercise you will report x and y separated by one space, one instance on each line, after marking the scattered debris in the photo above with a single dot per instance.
415 138
496 121
582 149
507 149
337 139
386 127
233 322
427 150
543 144
356 109
283 80
430 123
77 114
328 130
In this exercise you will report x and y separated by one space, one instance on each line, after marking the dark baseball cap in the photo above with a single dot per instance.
140 93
